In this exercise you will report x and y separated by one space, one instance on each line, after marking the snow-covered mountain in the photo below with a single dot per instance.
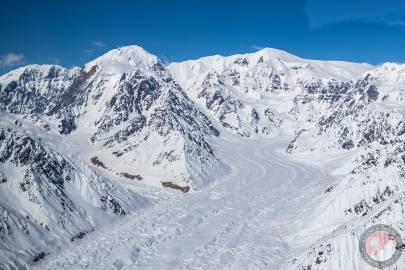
45 197
124 102
76 144
364 124
253 94
345 113
65 133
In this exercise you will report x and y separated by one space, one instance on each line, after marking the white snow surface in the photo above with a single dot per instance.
243 221
264 207
253 94
186 72
124 60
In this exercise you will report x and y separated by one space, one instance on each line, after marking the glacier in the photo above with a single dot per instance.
251 161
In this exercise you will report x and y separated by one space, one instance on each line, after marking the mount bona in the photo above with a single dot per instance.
78 145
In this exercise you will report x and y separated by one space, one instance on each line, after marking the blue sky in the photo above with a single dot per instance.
73 32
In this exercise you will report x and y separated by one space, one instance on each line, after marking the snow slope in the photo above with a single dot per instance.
188 72
241 222
365 122
68 136
48 199
274 161
253 94
126 103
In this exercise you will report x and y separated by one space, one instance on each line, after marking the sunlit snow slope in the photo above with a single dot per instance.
254 161
69 136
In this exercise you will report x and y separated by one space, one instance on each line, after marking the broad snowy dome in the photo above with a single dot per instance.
124 59
280 61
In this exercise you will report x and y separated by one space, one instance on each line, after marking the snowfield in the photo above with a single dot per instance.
248 219
251 161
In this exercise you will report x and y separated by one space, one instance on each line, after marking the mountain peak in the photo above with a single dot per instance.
271 53
187 72
124 59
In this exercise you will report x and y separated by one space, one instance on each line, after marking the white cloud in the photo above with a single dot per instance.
257 48
11 59
395 23
321 13
54 60
96 45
